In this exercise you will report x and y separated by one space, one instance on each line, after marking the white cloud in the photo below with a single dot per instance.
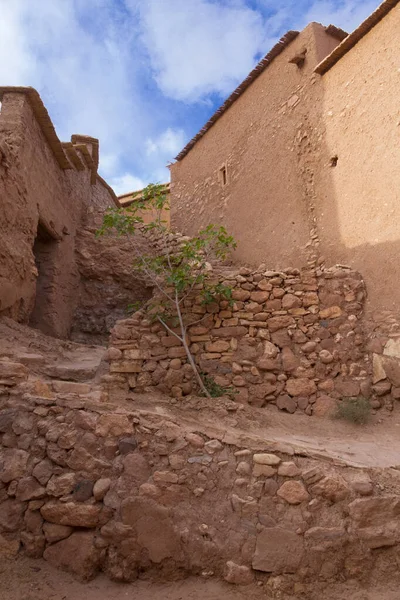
199 47
346 14
169 143
126 183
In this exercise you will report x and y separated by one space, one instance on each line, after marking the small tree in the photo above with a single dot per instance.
176 275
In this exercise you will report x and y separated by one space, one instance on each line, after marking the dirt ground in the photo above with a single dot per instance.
25 579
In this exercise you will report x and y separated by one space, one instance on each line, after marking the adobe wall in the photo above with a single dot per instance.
361 117
39 183
131 492
264 139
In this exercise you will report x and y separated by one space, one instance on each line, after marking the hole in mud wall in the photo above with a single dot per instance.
44 249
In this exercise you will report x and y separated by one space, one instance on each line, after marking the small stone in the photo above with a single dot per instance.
263 471
194 440
127 445
286 403
238 574
113 425
243 468
300 387
8 548
293 492
176 461
324 406
61 485
29 489
288 469
213 446
72 514
83 490
325 357
165 477
76 554
55 533
43 471
333 312
13 464
364 488
333 488
101 488
266 459
382 387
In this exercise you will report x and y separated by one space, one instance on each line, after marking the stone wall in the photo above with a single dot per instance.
165 491
93 487
292 338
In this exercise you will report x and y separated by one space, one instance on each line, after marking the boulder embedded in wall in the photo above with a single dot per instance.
378 371
391 367
324 406
154 528
113 425
238 574
55 533
77 554
13 464
11 515
278 551
293 492
290 361
72 514
375 521
301 387
333 488
12 373
29 489
8 548
392 348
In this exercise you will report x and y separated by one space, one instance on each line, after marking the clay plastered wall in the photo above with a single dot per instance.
361 113
291 339
263 139
33 188
91 487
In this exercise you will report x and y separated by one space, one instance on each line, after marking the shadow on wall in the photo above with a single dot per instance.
358 212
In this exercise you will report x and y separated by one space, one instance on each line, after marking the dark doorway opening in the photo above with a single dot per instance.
44 249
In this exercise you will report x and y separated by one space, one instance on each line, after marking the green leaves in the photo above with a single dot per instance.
178 274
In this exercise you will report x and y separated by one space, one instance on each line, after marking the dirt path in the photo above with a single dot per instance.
25 579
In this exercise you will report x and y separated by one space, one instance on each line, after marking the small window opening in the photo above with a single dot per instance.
223 175
334 160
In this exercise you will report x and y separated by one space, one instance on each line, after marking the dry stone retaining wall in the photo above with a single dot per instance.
129 491
292 338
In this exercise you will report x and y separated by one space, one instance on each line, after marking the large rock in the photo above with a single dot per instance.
293 492
375 521
13 464
43 471
55 533
154 528
11 515
324 406
278 551
333 488
29 489
61 485
113 425
301 387
77 554
8 548
12 373
238 574
72 514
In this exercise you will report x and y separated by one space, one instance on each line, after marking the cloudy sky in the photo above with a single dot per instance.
144 75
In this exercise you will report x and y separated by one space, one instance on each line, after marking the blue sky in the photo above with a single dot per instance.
144 75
